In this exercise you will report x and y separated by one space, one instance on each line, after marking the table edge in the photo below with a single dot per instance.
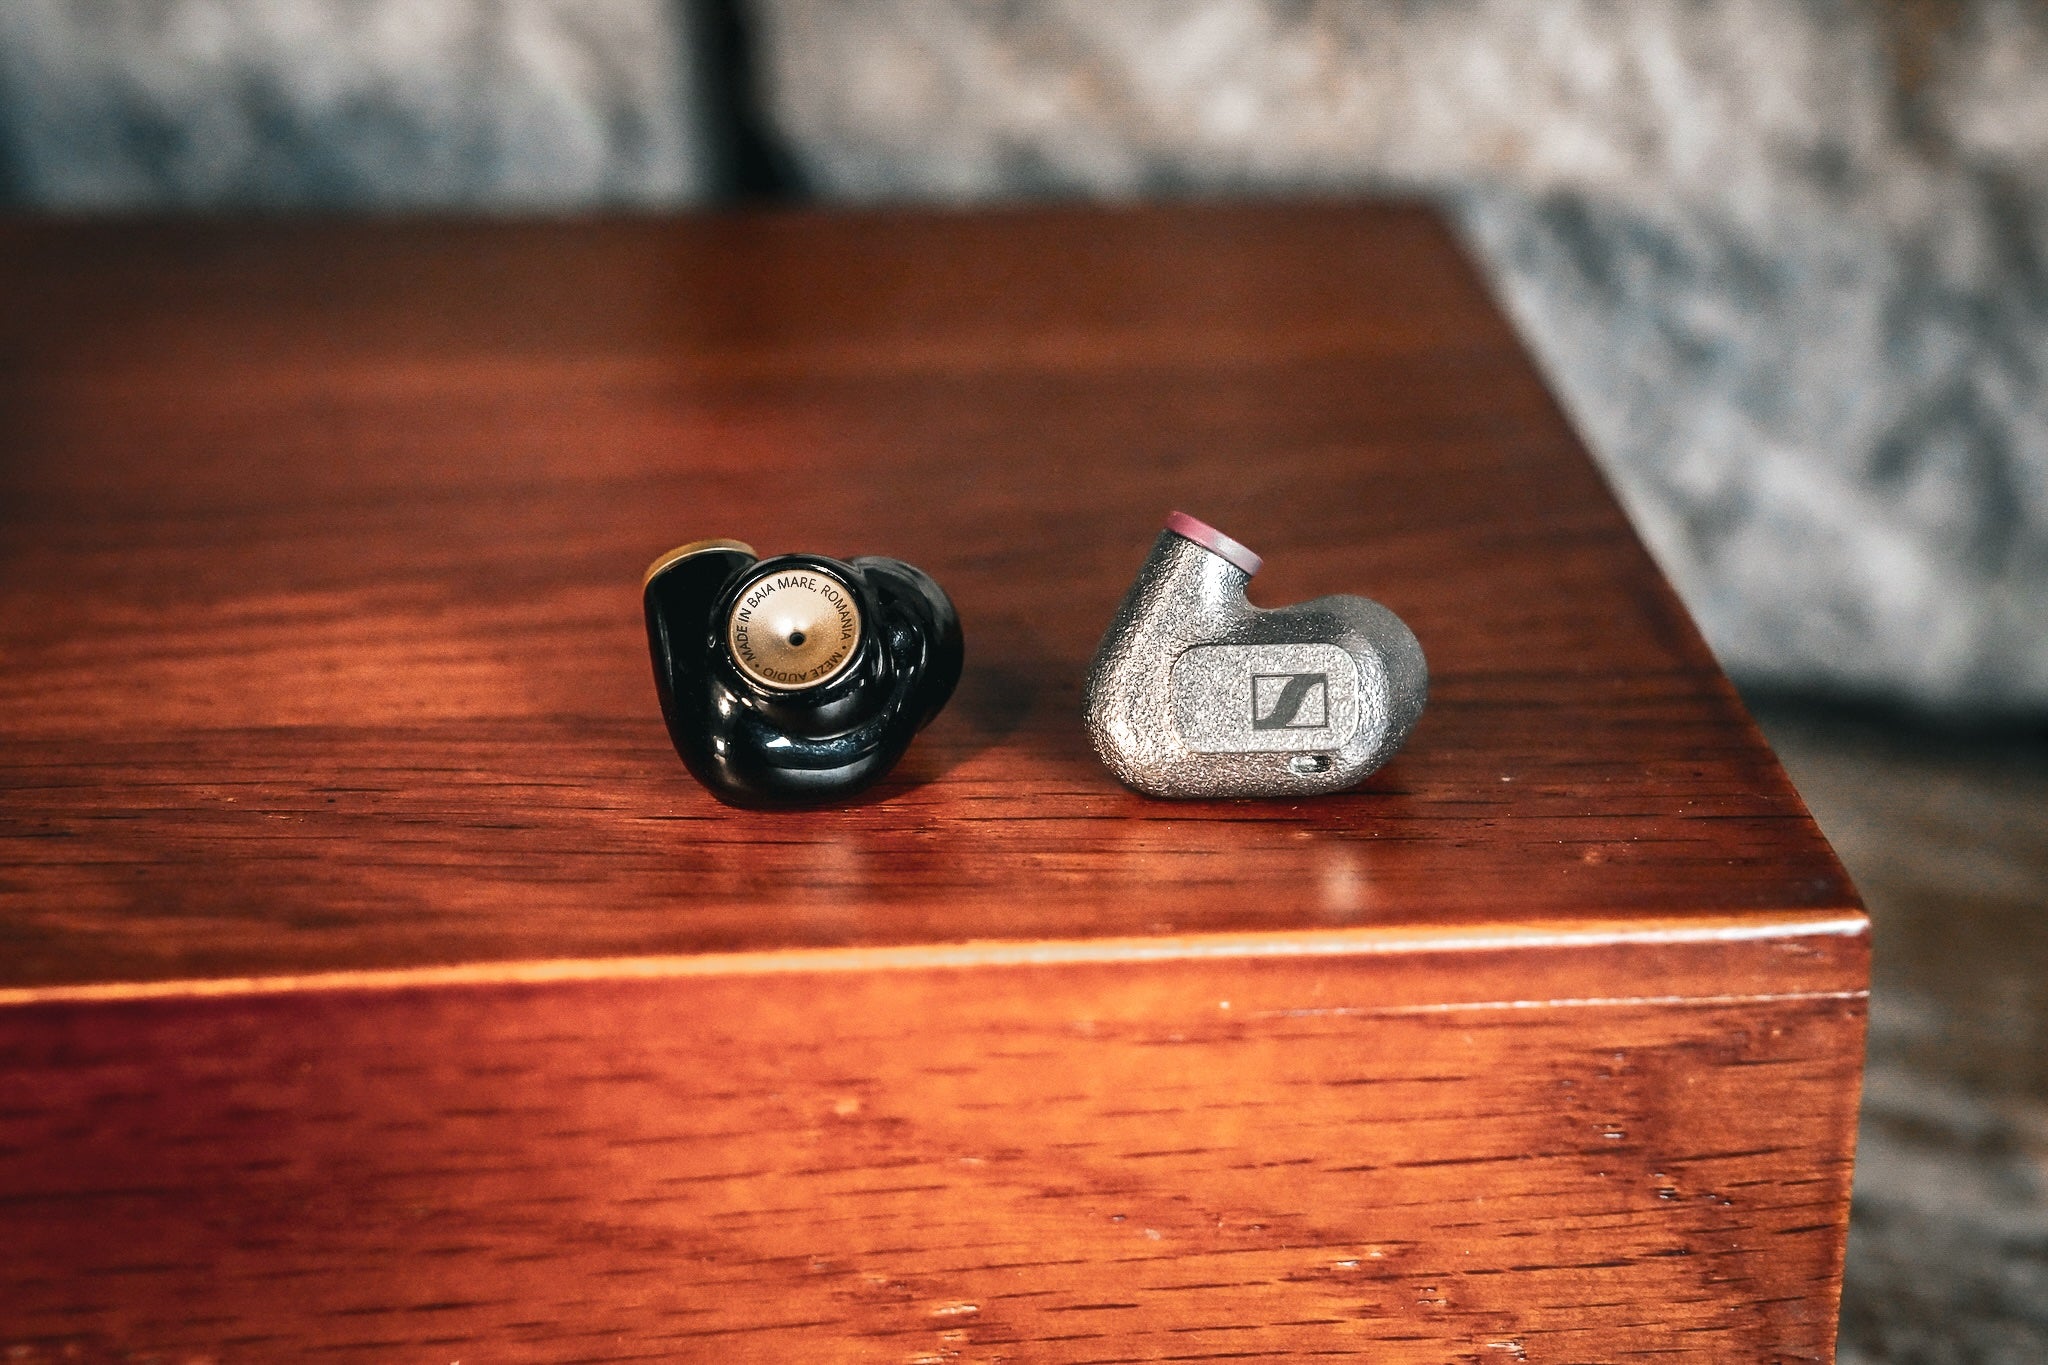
1846 922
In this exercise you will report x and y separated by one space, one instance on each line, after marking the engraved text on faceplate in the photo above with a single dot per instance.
1247 699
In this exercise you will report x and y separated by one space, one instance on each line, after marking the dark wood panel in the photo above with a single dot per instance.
464 842
1534 1151
319 551
872 292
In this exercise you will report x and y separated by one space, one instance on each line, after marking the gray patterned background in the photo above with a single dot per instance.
513 104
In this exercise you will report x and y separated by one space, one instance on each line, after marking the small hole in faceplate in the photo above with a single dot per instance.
1308 764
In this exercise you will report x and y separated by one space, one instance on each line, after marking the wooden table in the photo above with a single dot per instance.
377 983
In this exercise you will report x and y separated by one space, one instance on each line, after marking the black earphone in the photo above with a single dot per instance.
796 680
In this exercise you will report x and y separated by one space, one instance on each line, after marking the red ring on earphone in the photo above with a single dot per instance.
1213 540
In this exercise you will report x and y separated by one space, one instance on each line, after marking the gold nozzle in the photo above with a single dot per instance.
794 627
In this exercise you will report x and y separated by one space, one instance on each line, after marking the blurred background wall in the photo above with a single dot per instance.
126 105
1786 261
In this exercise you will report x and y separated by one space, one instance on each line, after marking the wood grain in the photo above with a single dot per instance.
375 982
1480 1154
320 552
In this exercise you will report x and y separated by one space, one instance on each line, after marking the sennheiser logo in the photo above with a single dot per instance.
1290 701
1286 698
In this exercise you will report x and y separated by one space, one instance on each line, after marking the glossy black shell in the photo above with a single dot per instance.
752 746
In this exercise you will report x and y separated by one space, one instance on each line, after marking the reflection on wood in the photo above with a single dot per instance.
319 557
1111 1160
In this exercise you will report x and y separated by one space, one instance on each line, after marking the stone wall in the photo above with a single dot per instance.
490 104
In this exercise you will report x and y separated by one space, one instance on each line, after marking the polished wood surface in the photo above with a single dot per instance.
1133 1160
322 545
377 983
